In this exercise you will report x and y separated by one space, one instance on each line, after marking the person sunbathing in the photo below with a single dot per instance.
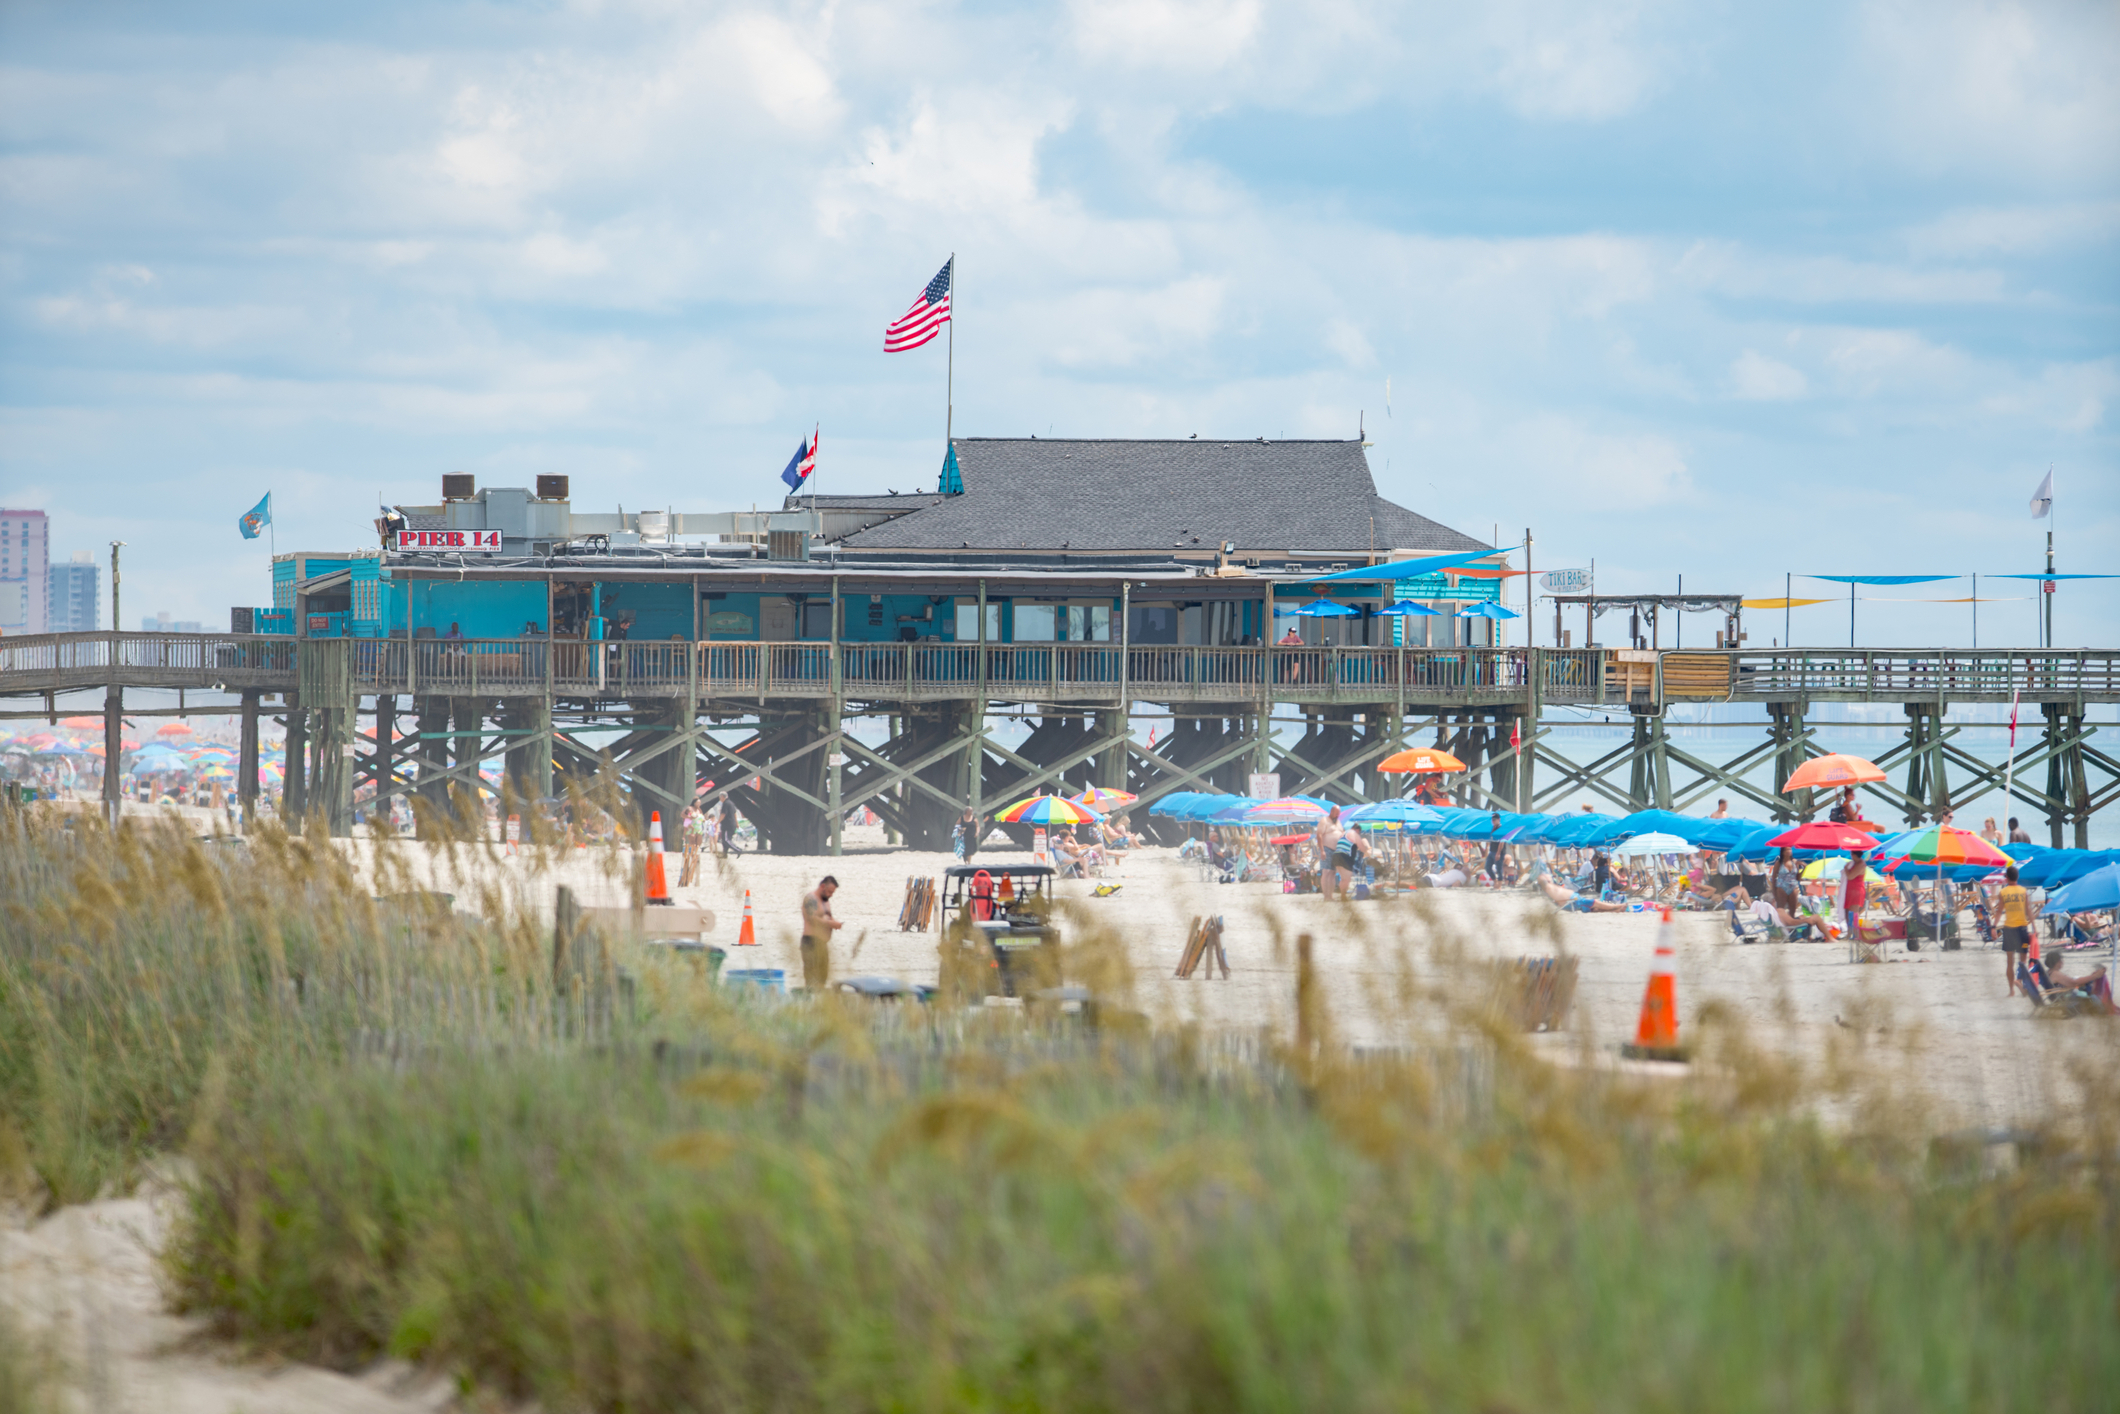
2093 984
1568 901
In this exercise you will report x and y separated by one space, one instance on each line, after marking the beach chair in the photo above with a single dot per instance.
2049 1004
1747 928
1982 919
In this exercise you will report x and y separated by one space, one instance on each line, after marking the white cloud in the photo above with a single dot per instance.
788 78
2015 230
1112 328
2017 88
1571 60
1202 35
1758 378
1346 339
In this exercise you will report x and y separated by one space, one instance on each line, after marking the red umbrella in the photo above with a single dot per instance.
1290 839
1821 835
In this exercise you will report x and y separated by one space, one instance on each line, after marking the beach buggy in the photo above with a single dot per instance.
997 935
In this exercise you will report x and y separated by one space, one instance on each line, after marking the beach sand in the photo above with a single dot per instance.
1938 1023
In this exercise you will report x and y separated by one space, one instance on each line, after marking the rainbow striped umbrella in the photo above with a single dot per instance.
1048 810
1941 844
1098 798
1288 810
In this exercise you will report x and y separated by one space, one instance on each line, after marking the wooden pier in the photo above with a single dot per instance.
524 701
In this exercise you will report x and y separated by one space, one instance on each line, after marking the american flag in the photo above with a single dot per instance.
927 316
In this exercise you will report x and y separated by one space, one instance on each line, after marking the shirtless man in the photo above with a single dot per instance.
818 926
1326 836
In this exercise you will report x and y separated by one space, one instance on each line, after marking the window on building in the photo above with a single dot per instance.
1089 623
1034 622
1153 623
968 621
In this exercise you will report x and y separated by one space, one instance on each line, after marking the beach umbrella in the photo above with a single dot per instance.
1098 798
1821 834
61 748
1421 761
1173 803
1319 609
1405 607
1827 771
84 724
1285 811
1833 866
1396 812
38 741
1654 844
1048 810
1487 611
2093 893
1944 847
168 729
1941 844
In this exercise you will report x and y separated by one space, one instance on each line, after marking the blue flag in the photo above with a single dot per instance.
801 464
256 518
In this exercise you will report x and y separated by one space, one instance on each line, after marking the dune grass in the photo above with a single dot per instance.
423 1140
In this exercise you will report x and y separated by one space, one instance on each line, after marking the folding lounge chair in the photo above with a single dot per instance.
2049 1004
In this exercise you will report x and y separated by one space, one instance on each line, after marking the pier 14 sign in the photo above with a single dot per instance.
485 542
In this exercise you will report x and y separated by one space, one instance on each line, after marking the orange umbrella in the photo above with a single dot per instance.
173 729
1832 771
83 723
1424 760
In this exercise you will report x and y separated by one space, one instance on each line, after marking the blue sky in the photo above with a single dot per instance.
1717 290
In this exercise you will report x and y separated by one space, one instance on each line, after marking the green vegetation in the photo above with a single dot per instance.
655 1196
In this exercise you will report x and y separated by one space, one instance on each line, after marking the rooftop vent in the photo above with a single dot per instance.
552 488
459 487
787 545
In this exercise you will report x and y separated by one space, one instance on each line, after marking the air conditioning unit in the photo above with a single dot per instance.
787 544
458 486
552 488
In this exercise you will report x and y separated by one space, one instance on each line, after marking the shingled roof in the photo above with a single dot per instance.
1091 495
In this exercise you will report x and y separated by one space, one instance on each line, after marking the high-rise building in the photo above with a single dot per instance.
25 561
163 623
74 603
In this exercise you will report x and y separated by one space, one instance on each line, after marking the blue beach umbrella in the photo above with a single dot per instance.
1396 812
1487 611
1408 607
2093 893
1318 609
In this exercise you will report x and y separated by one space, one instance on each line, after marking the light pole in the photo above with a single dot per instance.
115 621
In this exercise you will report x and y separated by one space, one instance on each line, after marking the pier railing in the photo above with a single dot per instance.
1085 673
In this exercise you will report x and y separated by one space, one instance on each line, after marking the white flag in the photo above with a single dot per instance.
2043 498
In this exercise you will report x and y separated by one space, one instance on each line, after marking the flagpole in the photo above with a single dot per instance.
2046 588
2009 770
949 385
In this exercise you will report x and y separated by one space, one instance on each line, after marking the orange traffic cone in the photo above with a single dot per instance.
747 936
1008 890
658 882
1656 1036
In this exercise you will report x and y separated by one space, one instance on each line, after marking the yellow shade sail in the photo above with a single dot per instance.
1783 603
